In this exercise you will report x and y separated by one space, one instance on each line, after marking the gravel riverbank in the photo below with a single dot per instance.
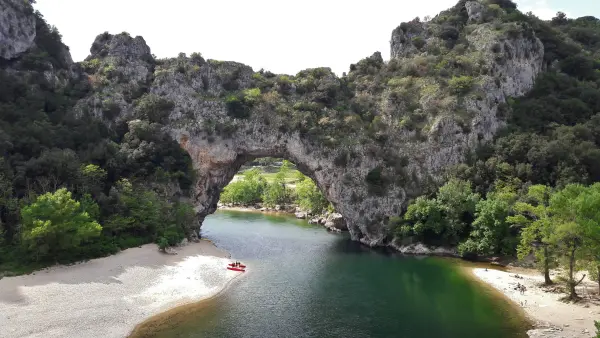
108 297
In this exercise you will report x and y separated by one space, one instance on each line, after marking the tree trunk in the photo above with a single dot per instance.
571 282
547 279
598 268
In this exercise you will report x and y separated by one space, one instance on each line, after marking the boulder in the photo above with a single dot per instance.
336 221
300 214
475 11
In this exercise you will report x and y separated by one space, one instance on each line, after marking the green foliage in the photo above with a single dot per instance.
246 191
444 219
239 104
48 147
490 232
309 197
153 108
576 214
163 244
461 85
418 42
56 223
276 191
534 217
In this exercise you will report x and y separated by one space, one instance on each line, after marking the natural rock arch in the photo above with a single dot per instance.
371 140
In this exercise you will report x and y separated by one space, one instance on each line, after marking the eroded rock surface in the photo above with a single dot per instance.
17 28
371 140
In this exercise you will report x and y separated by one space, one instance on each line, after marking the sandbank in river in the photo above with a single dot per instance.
108 297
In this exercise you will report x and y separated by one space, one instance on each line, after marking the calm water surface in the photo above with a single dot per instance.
305 282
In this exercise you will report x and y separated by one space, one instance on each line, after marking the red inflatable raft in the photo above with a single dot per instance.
239 265
235 269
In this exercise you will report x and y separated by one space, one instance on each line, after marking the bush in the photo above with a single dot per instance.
309 197
236 107
239 105
248 190
154 108
418 42
449 33
461 85
55 223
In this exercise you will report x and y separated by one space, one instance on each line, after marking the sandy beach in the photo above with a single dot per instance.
552 317
108 297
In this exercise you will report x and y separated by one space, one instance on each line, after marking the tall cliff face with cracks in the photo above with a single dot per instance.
371 139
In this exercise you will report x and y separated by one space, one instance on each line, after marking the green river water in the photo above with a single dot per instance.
305 282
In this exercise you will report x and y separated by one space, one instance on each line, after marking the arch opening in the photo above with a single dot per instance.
273 184
276 185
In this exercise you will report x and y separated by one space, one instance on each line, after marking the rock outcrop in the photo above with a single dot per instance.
17 28
371 140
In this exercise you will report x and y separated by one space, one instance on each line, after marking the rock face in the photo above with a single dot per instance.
336 222
17 28
371 140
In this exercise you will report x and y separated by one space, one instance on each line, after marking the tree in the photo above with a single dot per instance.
535 220
560 19
590 211
457 202
276 192
163 244
248 190
56 223
571 208
490 232
139 211
309 197
92 178
425 218
446 217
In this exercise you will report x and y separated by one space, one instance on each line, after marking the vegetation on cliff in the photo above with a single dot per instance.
531 190
375 137
71 188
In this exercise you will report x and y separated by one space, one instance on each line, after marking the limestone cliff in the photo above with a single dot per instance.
17 28
372 139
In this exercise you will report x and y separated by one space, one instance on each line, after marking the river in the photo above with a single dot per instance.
305 282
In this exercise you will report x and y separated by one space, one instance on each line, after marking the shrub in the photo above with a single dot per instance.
154 108
461 85
56 223
449 33
418 42
236 107
251 96
376 181
110 109
309 197
91 66
245 191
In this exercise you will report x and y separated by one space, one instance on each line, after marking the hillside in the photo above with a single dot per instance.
132 136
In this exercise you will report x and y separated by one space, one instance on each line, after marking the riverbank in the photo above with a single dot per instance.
108 297
331 221
552 318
